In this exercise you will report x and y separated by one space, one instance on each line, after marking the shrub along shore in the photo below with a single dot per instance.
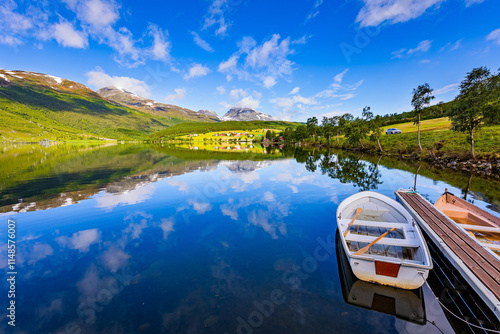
440 145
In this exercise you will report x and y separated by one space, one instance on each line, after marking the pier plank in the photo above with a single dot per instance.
483 264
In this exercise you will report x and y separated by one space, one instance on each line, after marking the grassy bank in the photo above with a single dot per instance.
436 138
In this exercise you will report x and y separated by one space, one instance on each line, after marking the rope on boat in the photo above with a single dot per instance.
456 316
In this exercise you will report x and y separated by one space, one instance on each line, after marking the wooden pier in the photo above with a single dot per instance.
478 266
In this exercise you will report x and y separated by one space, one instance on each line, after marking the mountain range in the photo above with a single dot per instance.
36 106
129 99
246 114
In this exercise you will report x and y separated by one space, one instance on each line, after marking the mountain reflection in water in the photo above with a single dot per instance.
150 239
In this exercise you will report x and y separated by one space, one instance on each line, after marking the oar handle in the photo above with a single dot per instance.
364 249
358 211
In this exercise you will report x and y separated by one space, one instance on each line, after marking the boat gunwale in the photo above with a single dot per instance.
468 206
426 263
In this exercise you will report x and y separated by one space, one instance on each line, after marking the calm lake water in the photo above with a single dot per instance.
144 239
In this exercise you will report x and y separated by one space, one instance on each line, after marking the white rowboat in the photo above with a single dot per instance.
382 242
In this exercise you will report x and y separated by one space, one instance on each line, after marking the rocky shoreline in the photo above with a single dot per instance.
478 166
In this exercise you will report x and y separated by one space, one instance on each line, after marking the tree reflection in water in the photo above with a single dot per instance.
347 168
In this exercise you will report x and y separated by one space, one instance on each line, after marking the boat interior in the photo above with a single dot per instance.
375 219
484 227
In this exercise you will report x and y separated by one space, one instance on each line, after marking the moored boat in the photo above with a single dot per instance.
382 242
481 225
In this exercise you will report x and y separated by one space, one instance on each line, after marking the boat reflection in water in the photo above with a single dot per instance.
407 305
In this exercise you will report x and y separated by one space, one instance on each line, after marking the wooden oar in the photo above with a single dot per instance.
364 249
358 211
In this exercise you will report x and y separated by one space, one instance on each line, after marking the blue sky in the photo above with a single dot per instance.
292 59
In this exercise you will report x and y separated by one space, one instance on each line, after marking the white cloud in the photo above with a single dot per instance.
315 10
99 79
264 64
494 36
228 64
452 46
134 230
98 13
269 197
80 241
13 22
98 18
375 12
115 258
287 103
196 70
297 104
66 35
294 91
221 90
167 225
245 99
472 2
13 25
92 19
201 42
216 17
39 252
339 77
269 82
422 47
248 102
235 94
337 90
10 40
140 193
182 185
200 208
302 40
445 89
179 94
161 46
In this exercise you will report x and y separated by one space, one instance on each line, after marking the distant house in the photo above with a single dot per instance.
195 135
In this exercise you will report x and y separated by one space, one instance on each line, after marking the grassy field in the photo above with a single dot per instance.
229 135
436 124
184 129
437 137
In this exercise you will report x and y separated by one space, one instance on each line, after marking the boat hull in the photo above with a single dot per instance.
406 277
370 210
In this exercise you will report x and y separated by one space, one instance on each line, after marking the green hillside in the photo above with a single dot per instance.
204 127
35 106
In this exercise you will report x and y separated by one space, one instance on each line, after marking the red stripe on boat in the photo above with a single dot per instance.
387 269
